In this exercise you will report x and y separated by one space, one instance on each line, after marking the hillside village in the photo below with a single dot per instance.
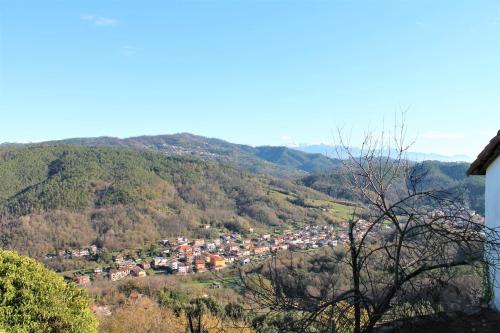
183 256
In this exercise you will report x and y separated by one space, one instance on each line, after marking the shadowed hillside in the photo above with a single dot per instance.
449 176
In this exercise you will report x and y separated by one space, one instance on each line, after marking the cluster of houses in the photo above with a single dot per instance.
88 251
183 256
185 151
123 268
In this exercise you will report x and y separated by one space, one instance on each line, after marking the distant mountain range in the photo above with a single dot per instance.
334 152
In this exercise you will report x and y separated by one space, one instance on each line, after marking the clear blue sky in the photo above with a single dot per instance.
254 72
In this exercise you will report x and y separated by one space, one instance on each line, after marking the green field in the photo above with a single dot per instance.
333 210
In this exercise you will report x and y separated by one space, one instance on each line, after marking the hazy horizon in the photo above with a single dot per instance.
327 149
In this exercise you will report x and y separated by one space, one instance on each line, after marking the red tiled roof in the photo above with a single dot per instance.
183 248
213 256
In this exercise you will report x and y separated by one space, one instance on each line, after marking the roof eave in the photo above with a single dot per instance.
489 154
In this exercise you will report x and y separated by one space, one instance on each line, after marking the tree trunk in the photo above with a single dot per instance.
190 320
355 279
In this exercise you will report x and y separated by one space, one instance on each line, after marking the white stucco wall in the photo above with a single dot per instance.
492 199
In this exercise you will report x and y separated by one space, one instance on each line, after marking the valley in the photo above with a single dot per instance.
183 213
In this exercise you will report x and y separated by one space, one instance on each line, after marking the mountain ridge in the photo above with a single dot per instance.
276 161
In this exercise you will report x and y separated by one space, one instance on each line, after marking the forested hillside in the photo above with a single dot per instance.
276 161
122 193
57 196
450 176
297 159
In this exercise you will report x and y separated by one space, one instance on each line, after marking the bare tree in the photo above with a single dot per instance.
407 244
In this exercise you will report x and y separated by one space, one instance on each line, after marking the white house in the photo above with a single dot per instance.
488 163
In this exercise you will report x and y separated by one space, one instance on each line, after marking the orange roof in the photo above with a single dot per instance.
183 247
213 256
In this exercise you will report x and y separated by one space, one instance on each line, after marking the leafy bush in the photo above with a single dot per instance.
34 299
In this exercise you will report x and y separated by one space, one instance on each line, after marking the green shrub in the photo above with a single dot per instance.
35 299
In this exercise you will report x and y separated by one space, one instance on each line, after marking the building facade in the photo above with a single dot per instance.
488 164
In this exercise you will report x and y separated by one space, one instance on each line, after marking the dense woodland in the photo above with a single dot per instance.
313 170
275 161
447 176
53 197
58 195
